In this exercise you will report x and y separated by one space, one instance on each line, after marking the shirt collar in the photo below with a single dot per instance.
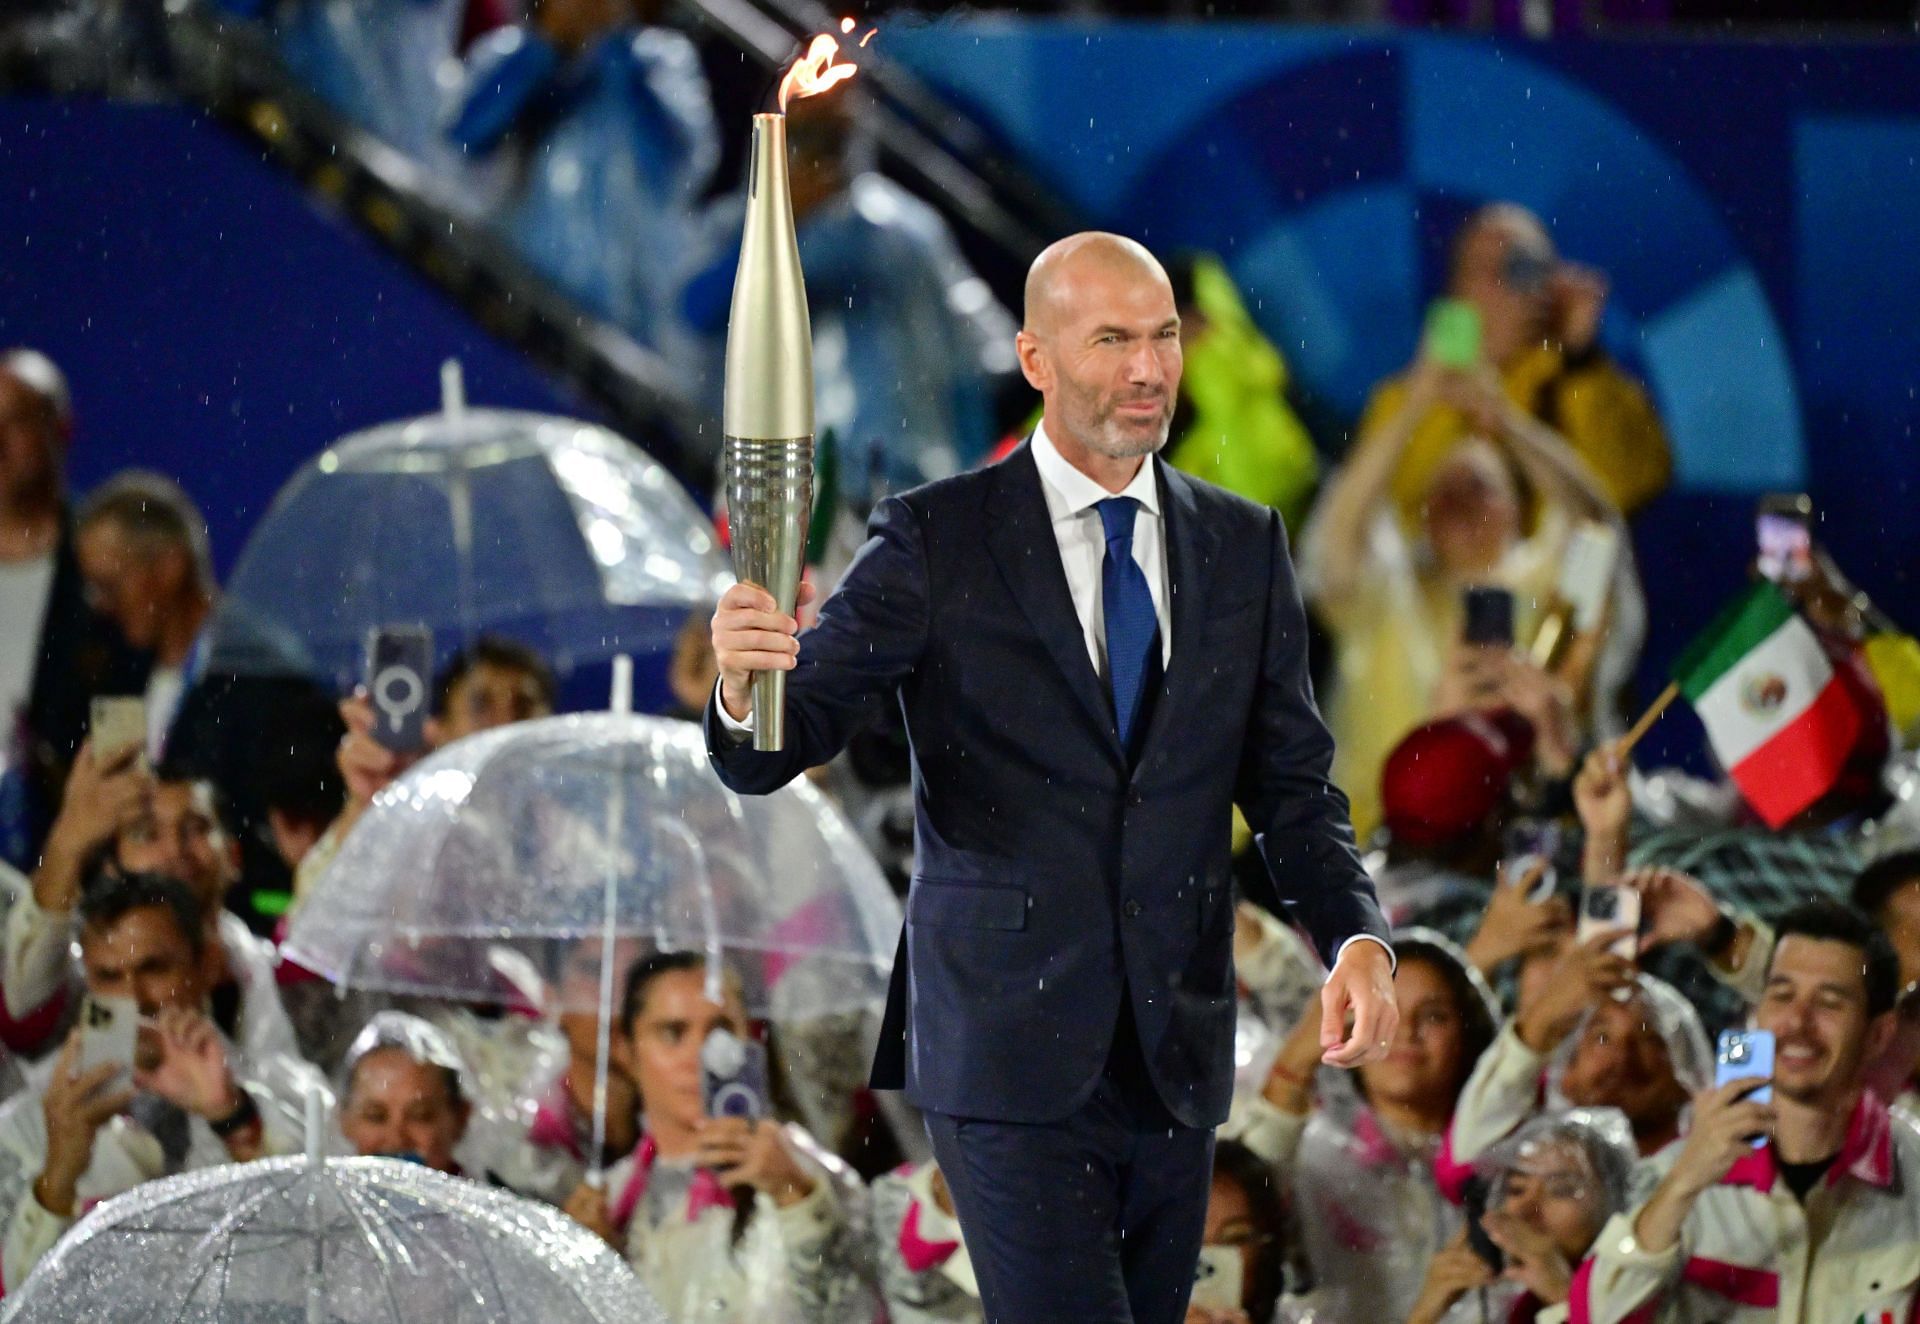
1075 491
1866 1155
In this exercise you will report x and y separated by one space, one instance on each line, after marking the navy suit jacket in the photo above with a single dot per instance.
1052 877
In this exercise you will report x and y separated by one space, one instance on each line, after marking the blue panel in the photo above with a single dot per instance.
214 324
1092 104
1721 379
1488 122
1329 282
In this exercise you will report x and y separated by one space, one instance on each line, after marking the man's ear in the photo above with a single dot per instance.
1033 361
1880 1032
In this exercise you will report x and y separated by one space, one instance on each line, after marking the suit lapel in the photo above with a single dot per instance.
1191 545
1021 540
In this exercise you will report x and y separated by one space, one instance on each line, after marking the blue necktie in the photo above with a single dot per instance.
1133 630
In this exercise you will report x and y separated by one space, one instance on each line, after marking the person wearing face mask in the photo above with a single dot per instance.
1550 1188
1805 1207
727 1219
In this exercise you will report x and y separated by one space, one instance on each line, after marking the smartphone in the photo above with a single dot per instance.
1742 1055
1489 616
1452 336
399 682
1473 1201
118 723
1610 907
1219 1279
1783 535
109 1030
733 1077
1528 842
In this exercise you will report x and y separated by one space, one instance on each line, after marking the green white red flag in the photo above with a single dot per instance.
1777 716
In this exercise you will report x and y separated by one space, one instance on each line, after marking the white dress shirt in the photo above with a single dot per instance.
1071 498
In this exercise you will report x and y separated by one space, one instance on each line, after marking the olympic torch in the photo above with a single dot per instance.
767 417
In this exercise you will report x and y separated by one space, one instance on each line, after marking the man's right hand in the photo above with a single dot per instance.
751 633
103 795
76 1105
1725 1121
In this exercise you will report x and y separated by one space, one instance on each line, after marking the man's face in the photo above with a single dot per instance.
489 696
1108 359
30 442
179 835
399 1106
144 956
1621 1061
1815 1005
666 1037
127 583
1422 1068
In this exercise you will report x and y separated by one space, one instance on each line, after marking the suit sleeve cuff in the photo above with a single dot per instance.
728 723
1392 960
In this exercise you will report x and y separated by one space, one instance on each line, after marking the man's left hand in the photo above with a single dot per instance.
183 1060
1360 988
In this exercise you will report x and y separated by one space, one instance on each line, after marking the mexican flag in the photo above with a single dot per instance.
1776 715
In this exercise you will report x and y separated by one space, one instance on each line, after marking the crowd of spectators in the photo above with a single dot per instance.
1550 1136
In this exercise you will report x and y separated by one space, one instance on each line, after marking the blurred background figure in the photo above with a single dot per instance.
389 68
221 711
604 125
1539 326
1498 512
56 652
910 346
403 1094
1234 425
725 1217
1542 1198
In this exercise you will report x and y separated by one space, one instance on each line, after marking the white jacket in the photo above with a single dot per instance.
39 961
805 1264
1749 1252
926 1275
126 1154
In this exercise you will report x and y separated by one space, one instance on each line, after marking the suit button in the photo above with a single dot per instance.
1131 910
1134 798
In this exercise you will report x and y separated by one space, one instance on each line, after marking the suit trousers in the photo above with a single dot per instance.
1093 1219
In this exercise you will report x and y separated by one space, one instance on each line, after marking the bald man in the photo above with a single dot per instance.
1097 658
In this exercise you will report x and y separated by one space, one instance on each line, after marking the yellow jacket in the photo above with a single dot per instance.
1603 414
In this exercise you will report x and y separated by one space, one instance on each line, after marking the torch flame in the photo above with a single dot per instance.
815 72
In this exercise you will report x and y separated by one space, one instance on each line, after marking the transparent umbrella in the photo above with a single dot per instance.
335 1241
555 532
492 869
